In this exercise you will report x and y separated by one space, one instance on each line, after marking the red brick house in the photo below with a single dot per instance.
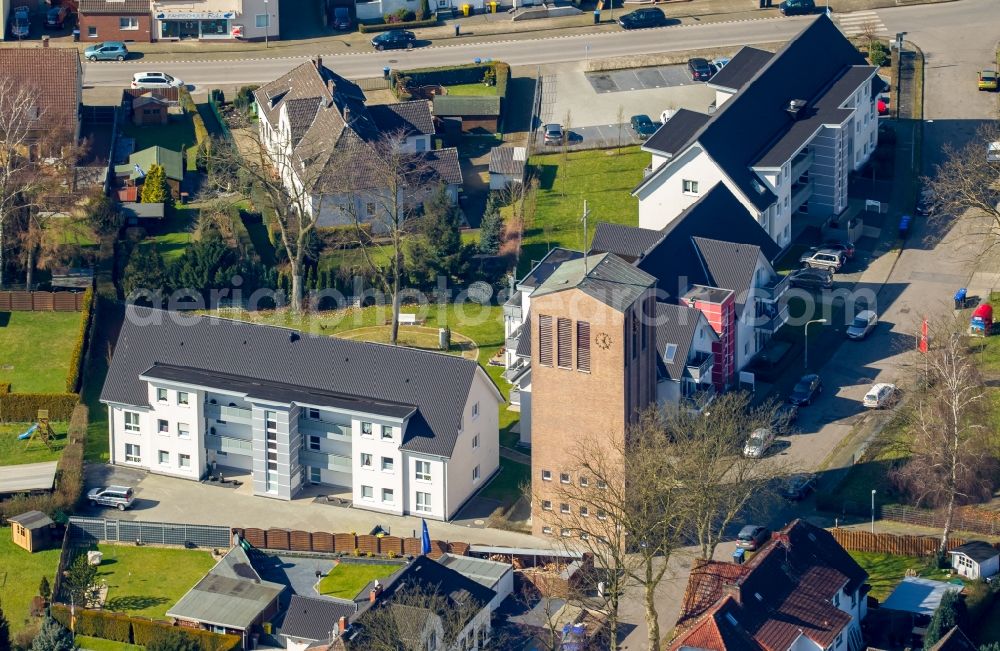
115 20
801 591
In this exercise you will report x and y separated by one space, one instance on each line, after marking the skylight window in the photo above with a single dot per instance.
669 352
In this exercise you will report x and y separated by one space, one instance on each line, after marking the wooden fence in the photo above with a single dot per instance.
347 543
22 301
888 543
966 518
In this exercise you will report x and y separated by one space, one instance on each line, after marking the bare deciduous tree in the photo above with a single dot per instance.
950 458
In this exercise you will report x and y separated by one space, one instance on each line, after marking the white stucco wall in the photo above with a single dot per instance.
465 457
374 476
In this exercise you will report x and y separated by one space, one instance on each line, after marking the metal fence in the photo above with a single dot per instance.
373 83
971 519
92 530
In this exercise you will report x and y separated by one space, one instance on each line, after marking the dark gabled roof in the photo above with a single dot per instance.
313 619
605 277
114 7
675 324
508 160
443 164
954 640
627 242
471 105
411 118
784 591
544 267
673 136
978 550
677 260
32 520
435 384
729 265
741 68
752 121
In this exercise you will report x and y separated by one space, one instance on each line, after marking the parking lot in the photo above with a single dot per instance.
617 81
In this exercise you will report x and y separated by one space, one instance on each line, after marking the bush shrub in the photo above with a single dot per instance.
4 388
366 28
136 630
80 344
23 407
401 15
244 97
878 53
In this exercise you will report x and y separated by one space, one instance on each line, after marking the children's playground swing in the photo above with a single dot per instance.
40 431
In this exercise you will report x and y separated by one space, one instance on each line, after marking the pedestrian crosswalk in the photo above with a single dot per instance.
857 23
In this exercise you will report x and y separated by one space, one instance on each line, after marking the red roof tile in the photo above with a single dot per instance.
54 76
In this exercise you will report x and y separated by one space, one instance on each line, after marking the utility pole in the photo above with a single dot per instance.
586 213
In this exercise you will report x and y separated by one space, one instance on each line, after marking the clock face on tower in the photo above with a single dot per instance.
603 340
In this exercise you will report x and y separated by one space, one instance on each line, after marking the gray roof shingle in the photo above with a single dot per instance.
413 117
434 384
627 242
460 105
508 160
675 324
730 265
673 136
113 7
32 520
313 619
978 550
741 68
605 277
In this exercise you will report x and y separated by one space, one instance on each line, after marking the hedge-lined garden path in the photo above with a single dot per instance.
420 337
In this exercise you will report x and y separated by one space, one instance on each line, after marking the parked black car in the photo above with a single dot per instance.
342 18
648 17
798 486
394 39
811 278
700 69
783 419
752 536
797 7
806 390
643 126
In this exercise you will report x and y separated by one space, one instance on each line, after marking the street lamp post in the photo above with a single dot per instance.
873 510
267 24
805 362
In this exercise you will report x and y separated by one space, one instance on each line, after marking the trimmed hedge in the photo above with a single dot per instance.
368 28
468 73
80 345
201 136
23 407
4 388
137 630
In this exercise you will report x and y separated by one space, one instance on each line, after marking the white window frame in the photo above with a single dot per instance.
422 470
475 474
162 395
423 502
475 441
160 429
546 475
181 457
387 468
475 410
392 496
371 493
132 421
689 187
163 457
133 453
128 23
367 430
183 431
315 475
367 457
183 398
257 21
387 429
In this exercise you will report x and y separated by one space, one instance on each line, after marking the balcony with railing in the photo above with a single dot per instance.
801 193
325 460
511 341
235 415
512 308
228 444
321 428
699 399
519 367
772 322
774 289
515 397
700 367
802 162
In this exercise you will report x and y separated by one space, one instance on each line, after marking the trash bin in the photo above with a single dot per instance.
597 16
738 556
904 227
493 6
76 35
385 72
960 296
466 9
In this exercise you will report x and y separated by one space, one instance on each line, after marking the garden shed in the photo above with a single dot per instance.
479 114
976 560
31 530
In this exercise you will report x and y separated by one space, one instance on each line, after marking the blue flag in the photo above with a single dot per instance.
425 539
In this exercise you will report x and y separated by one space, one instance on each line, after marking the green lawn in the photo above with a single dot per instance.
97 644
14 452
147 581
175 233
478 90
885 571
35 349
178 135
20 574
506 486
603 178
346 580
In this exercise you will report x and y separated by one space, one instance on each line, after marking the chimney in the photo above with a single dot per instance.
342 624
348 116
45 40
331 87
374 593
318 62
796 108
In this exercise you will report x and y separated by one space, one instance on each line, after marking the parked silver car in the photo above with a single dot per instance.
823 259
119 497
864 322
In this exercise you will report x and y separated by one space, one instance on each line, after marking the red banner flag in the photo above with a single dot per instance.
923 336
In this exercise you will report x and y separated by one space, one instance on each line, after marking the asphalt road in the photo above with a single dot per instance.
515 52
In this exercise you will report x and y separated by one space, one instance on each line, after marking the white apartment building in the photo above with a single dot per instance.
786 132
405 431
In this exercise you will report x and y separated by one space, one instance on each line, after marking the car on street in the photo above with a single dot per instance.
553 134
784 417
988 80
797 487
846 249
822 258
811 278
342 18
752 536
760 440
643 126
925 204
640 18
797 7
394 39
806 390
56 17
880 395
993 152
107 51
862 325
119 497
700 69
20 23
147 80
